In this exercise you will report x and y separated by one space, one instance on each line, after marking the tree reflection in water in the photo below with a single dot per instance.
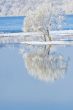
42 62
45 65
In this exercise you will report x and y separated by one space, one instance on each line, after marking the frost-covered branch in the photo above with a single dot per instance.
43 18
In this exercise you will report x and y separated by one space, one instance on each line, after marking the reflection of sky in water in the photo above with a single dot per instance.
18 90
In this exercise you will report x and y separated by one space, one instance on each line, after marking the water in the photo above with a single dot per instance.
11 24
37 57
15 23
20 89
68 22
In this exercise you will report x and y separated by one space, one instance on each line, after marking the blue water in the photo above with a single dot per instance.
24 92
11 24
68 22
15 23
41 106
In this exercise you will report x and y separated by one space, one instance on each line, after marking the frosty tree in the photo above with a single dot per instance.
47 16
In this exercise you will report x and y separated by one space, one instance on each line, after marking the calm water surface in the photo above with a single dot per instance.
20 90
